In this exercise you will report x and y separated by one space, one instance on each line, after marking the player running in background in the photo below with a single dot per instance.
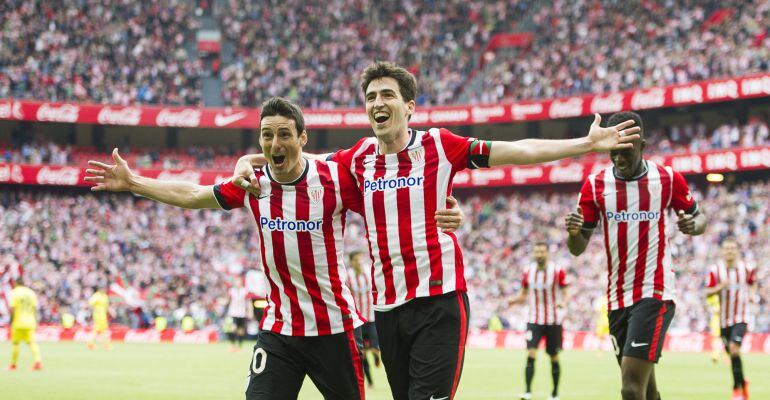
309 323
237 307
734 281
631 200
100 303
712 306
544 288
23 323
361 287
418 269
601 322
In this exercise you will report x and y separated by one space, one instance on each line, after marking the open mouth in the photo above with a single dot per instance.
278 160
381 117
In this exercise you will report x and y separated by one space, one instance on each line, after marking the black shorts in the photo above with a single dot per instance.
639 330
279 364
369 334
422 345
551 333
733 334
240 323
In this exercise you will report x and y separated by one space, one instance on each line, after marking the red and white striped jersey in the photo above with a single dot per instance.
300 226
411 257
734 297
361 287
545 288
634 214
237 302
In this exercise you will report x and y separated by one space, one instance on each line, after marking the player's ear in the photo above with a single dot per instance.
303 138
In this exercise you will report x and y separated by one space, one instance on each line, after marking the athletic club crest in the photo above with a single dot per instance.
417 155
315 194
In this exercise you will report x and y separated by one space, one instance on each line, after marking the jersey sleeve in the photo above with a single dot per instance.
711 279
588 205
525 280
562 278
681 197
345 157
229 195
752 278
464 152
352 199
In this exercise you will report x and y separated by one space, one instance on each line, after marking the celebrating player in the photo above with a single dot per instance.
418 269
361 287
735 283
309 323
24 323
99 303
631 200
544 288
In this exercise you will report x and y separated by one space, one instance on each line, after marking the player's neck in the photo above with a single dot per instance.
292 175
394 144
542 265
731 263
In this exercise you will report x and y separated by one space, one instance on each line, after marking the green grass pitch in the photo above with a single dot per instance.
182 371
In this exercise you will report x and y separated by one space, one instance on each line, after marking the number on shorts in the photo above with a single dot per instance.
262 361
529 336
615 345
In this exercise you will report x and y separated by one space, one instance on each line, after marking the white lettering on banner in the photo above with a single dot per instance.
727 160
722 90
356 119
220 178
515 340
480 177
607 104
11 173
11 110
572 172
766 347
690 343
461 178
688 94
58 176
195 337
482 339
63 113
420 117
521 111
144 336
188 176
568 340
523 174
571 107
323 119
456 115
652 98
752 158
48 334
755 86
688 163
224 119
483 114
81 335
126 116
187 118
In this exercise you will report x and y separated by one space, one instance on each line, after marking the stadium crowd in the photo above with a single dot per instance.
179 263
95 51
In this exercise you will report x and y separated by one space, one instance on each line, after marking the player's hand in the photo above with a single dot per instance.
616 137
574 222
244 176
451 218
113 178
686 223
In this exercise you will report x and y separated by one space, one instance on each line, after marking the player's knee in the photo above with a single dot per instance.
554 358
735 350
532 353
631 391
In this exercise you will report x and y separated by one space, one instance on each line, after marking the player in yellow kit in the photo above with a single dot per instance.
23 323
99 303
712 303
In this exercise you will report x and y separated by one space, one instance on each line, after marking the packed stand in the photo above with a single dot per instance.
99 52
583 46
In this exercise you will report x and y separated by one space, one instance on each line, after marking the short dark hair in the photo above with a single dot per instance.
407 84
728 239
541 243
285 108
623 116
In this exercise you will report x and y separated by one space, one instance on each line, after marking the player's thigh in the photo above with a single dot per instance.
438 353
553 340
647 326
618 328
534 335
22 335
394 349
335 365
274 373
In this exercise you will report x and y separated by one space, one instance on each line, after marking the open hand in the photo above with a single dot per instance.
113 178
616 137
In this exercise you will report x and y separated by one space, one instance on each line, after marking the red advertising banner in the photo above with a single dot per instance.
717 90
746 159
120 334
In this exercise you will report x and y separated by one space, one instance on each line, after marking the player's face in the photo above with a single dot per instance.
281 144
541 254
627 160
388 112
730 250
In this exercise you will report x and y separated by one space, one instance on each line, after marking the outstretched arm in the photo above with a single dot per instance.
535 151
119 178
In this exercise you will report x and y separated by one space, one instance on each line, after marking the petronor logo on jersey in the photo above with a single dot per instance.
626 216
380 184
279 224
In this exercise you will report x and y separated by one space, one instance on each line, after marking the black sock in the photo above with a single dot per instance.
240 340
555 373
367 372
529 373
737 371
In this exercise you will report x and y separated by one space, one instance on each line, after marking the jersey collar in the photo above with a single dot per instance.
292 183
